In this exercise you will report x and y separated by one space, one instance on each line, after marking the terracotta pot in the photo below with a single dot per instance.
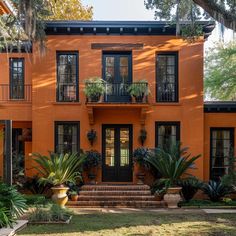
140 177
74 197
158 197
172 197
59 195
92 178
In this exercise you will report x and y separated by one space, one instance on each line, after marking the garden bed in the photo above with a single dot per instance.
208 204
52 222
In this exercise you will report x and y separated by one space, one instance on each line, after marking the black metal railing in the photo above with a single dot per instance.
67 92
121 92
15 92
166 92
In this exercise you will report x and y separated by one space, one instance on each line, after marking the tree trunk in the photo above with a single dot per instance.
218 12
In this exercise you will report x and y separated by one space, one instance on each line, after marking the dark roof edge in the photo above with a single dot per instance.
220 107
120 27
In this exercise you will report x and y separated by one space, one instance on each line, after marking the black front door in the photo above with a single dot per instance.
116 152
117 72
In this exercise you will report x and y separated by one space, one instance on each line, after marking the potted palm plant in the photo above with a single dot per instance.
94 89
57 170
139 157
172 165
139 90
91 162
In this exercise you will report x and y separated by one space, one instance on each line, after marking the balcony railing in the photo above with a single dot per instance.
120 92
15 92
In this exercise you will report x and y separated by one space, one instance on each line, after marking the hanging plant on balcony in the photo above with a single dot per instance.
94 89
139 90
92 135
143 136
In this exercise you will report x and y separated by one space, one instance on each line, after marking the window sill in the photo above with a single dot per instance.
167 104
66 103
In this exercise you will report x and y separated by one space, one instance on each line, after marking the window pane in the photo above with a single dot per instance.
67 88
220 151
16 78
166 78
67 138
167 136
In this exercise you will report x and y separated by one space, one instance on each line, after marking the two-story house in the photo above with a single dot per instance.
43 96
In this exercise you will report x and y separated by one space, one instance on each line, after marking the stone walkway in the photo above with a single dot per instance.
145 210
12 231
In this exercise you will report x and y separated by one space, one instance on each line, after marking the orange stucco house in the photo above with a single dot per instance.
43 96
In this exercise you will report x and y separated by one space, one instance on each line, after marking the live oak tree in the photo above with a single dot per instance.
223 11
220 72
28 23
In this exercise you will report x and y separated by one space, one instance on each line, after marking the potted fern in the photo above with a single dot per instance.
94 89
57 170
139 90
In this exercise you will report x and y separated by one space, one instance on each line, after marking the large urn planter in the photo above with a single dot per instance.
60 195
172 197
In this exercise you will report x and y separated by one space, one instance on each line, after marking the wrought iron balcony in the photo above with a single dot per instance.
15 92
136 92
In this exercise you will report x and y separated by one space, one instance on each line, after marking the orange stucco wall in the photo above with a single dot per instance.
44 110
226 120
189 110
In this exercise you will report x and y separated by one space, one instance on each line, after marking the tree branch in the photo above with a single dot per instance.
219 13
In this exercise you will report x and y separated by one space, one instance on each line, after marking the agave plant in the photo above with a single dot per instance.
216 190
58 169
172 164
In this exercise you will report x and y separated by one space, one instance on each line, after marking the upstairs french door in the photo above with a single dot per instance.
117 72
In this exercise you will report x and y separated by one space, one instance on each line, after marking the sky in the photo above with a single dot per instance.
135 10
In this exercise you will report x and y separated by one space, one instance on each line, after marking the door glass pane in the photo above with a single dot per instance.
109 69
110 147
124 146
124 70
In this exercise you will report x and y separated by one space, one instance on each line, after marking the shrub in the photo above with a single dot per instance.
190 186
94 88
36 200
12 205
32 184
158 187
216 190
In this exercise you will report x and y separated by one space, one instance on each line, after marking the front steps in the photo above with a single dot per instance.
133 196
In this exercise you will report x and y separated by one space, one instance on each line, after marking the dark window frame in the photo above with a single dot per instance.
76 53
231 130
57 123
11 73
163 123
176 54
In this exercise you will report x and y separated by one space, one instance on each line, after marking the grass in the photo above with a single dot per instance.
145 224
206 203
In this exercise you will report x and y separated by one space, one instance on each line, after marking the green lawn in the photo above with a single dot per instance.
110 224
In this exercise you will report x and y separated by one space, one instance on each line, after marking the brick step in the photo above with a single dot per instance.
114 187
115 193
126 204
117 198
